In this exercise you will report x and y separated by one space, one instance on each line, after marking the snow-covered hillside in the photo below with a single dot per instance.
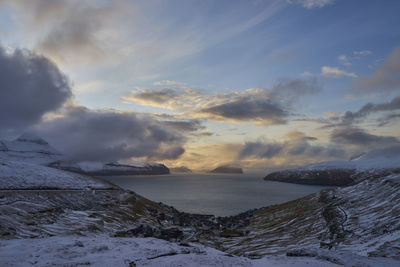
104 251
28 148
22 176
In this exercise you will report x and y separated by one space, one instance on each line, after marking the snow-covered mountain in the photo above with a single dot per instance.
29 148
338 173
18 175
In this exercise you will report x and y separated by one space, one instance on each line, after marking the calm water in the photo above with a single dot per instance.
218 194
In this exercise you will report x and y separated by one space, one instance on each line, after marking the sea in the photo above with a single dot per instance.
216 194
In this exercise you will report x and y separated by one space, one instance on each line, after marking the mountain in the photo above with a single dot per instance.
29 148
99 169
227 169
336 173
73 219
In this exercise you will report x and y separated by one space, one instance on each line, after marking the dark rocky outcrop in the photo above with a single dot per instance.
227 169
329 177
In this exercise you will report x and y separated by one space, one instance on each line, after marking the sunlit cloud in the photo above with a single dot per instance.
255 104
333 72
312 3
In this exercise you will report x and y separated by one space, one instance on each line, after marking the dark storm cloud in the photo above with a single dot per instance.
89 135
184 125
390 151
250 109
290 148
358 137
384 80
156 96
290 90
304 148
69 30
270 106
388 119
260 150
30 86
350 117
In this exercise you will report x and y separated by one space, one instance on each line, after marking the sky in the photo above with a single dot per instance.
258 84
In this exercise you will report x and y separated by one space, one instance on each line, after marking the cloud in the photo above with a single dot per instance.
345 60
362 52
358 137
333 72
153 97
246 109
107 135
348 60
350 117
306 74
297 145
390 151
255 104
312 3
69 31
31 86
261 150
167 83
385 80
184 125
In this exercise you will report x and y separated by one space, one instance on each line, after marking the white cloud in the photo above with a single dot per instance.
344 60
167 83
312 3
333 72
348 60
362 52
306 74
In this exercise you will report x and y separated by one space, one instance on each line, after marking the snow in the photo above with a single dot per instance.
22 175
28 148
362 163
101 250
